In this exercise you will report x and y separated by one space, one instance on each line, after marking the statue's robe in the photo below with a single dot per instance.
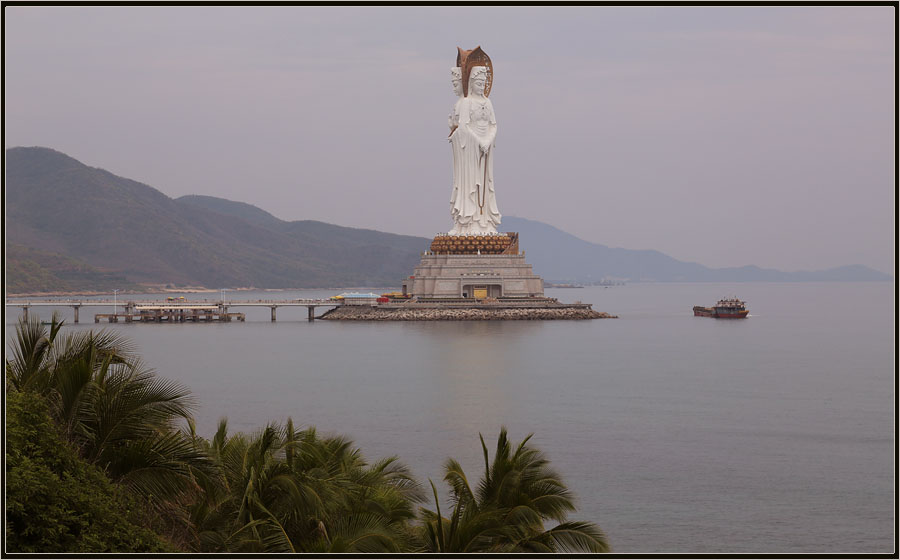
473 204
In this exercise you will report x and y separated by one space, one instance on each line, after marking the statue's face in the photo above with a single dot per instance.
457 86
478 85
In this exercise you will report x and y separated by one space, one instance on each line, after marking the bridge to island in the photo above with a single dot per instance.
167 311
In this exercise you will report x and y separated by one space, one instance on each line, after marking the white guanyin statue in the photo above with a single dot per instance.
473 128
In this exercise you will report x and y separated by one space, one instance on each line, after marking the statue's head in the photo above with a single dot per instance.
478 79
456 80
468 61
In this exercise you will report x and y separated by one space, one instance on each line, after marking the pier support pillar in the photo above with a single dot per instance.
273 313
75 307
312 312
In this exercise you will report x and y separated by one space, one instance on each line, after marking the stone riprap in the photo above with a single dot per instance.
433 313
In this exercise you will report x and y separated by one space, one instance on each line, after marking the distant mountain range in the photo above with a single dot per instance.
71 227
561 257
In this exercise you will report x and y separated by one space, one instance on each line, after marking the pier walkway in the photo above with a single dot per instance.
177 311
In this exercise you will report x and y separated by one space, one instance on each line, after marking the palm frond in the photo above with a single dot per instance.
439 521
461 492
576 536
162 466
28 370
366 533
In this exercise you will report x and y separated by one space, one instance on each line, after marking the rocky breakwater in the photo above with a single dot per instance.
411 313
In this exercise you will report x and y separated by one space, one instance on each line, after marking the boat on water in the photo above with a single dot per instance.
731 308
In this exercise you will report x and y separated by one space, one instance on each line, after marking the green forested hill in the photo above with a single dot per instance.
58 205
34 271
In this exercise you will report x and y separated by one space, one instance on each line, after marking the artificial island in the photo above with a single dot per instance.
472 272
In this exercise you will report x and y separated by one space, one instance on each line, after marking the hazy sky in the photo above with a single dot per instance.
724 135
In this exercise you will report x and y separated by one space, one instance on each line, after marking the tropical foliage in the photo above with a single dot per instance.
86 412
116 412
507 511
57 502
283 490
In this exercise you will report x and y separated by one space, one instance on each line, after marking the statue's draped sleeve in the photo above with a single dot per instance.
493 121
462 130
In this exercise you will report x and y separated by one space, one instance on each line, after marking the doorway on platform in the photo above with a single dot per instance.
482 291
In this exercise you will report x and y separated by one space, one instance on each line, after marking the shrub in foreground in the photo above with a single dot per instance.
57 502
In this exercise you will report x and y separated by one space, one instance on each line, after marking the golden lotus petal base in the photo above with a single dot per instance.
502 243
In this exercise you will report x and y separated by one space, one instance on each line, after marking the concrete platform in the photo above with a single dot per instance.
473 276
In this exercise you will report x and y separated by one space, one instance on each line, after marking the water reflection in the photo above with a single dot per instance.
473 364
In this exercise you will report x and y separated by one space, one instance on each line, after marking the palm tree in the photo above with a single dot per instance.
508 510
283 490
116 412
469 530
38 356
248 497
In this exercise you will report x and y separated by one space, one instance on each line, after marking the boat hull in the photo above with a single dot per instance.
716 314
732 315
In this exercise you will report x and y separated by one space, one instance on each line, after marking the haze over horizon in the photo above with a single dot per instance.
725 136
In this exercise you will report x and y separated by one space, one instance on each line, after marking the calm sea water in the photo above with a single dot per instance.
677 433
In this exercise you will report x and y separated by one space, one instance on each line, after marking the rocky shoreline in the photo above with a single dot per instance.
367 313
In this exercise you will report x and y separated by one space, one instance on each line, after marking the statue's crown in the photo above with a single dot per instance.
467 60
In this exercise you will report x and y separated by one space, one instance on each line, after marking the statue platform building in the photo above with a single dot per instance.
473 260
474 267
473 272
